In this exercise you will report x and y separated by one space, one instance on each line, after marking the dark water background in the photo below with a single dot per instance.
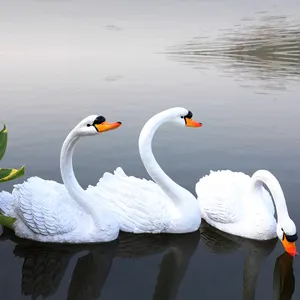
234 64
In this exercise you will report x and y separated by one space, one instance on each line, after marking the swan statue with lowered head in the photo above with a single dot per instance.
47 211
144 206
238 204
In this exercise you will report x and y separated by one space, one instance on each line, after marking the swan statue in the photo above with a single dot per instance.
238 204
143 206
47 211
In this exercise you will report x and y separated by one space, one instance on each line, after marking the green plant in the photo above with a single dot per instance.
7 174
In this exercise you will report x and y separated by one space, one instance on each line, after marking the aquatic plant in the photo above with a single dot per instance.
7 174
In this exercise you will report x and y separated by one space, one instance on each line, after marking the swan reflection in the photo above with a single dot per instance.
45 265
257 251
284 279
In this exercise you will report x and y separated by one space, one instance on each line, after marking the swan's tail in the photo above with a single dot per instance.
6 204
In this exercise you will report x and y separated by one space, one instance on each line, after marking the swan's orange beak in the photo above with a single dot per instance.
106 126
289 247
192 123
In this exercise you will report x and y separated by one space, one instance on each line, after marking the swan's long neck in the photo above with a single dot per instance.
175 192
68 177
266 177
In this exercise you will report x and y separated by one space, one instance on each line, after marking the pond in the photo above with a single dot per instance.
235 65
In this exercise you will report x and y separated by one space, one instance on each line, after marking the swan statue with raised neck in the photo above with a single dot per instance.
144 206
238 204
47 211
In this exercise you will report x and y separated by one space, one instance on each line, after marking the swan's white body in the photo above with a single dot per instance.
48 211
144 206
238 204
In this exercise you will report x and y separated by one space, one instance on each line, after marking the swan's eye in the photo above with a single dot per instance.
88 125
181 117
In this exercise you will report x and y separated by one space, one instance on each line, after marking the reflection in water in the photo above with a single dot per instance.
91 272
221 242
284 279
45 264
264 48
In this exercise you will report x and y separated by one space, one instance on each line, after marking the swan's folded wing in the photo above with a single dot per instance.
43 206
220 198
139 204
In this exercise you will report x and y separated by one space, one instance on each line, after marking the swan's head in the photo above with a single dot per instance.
95 124
286 232
182 117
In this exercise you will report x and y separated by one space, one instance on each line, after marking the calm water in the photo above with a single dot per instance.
235 65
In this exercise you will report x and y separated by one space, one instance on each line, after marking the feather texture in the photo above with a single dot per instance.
228 203
139 204
45 206
6 203
46 212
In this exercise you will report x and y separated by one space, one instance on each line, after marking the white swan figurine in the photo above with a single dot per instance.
238 204
143 206
48 211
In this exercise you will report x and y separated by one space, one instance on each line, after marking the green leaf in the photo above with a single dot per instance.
11 174
7 221
3 141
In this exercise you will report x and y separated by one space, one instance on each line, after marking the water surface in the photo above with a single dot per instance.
234 65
